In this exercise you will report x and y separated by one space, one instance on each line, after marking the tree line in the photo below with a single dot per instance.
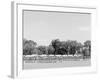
57 47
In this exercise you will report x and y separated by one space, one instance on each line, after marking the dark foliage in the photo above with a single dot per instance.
57 47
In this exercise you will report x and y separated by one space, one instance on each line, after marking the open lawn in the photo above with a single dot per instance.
55 62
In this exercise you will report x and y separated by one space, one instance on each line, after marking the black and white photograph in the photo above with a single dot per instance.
55 39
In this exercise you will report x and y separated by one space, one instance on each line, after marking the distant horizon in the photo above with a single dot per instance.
43 27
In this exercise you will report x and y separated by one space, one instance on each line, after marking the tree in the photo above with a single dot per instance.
63 48
73 47
68 46
50 50
28 47
87 44
79 48
55 43
87 48
61 51
42 50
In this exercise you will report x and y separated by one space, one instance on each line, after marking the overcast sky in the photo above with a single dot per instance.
42 27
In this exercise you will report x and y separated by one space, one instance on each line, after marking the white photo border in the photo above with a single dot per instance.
17 31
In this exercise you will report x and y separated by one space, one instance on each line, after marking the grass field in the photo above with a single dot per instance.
55 62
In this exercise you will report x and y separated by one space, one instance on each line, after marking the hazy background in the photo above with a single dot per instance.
42 27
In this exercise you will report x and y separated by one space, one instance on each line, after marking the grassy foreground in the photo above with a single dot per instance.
51 61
